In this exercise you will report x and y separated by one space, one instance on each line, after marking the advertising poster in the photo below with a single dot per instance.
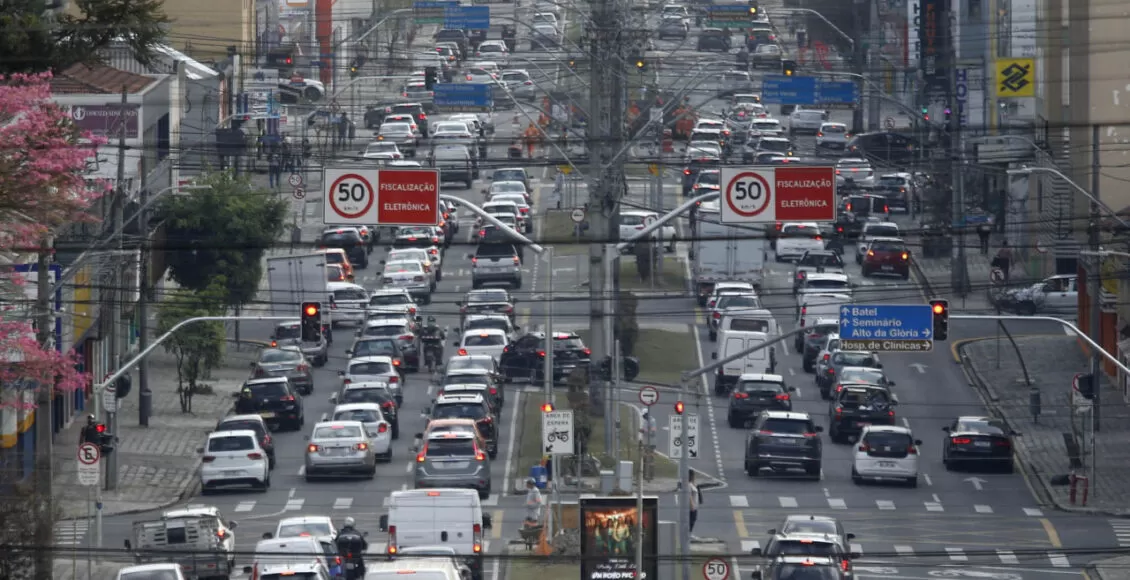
608 538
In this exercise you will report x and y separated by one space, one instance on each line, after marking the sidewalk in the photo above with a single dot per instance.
156 464
1052 362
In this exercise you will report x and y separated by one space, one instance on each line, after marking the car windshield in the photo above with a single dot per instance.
774 145
749 325
385 330
350 294
508 187
857 397
887 441
337 432
827 285
454 447
365 396
403 267
484 340
509 174
892 181
288 331
151 575
490 296
362 415
389 300
834 129
883 231
761 388
334 258
740 301
709 177
805 548
270 390
857 164
986 426
788 426
240 426
457 363
830 260
810 526
767 125
339 239
458 410
304 529
882 246
234 443
805 572
825 329
279 356
385 347
370 368
395 129
455 378
874 376
855 359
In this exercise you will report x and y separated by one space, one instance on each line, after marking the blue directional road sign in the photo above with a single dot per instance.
463 96
729 16
467 18
431 12
835 92
783 90
887 327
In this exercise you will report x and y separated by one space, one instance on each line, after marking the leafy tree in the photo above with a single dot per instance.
198 347
578 384
624 327
35 40
222 232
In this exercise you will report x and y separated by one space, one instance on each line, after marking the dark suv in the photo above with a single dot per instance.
857 405
713 39
526 356
755 393
814 341
348 239
273 399
414 109
782 440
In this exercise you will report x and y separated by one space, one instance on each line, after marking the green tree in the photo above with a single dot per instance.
197 347
222 231
624 327
33 39
579 402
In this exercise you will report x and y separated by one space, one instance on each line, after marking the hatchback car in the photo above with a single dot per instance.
886 256
872 230
832 138
854 172
474 407
806 121
305 526
802 568
234 458
814 339
369 369
377 428
488 377
372 392
453 459
340 447
839 360
885 146
713 39
289 334
287 362
273 399
519 83
389 299
251 423
979 442
886 452
486 301
755 393
490 342
782 440
857 405
768 56
404 332
402 135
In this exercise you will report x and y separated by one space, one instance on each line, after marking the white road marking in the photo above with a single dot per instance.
739 501
932 506
245 506
343 503
295 504
885 504
797 392
302 471
1059 560
787 502
837 503
1033 512
983 509
1068 331
748 545
906 422
904 550
323 419
408 468
926 478
510 445
1007 557
711 422
957 554
792 373
935 496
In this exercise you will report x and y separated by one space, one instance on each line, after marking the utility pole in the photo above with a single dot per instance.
874 109
145 396
117 293
1095 284
859 63
958 271
598 207
44 434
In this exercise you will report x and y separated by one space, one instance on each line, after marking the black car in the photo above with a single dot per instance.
360 393
857 405
486 301
840 360
814 342
348 239
256 424
381 346
803 568
713 39
756 393
979 442
273 399
782 440
759 35
415 109
525 358
884 146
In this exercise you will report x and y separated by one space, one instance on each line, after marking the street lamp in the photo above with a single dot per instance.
1026 170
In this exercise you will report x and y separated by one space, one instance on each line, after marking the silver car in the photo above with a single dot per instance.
453 459
376 427
409 275
340 447
519 83
371 369
401 134
289 333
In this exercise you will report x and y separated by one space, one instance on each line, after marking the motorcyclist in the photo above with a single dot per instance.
433 336
352 545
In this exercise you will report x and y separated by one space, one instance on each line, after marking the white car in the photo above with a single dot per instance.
432 261
524 209
886 452
766 128
479 75
391 300
872 230
832 138
633 221
796 238
489 341
149 571
855 171
370 369
408 275
806 121
234 458
545 18
224 528
493 49
823 283
372 417
504 207
498 187
348 302
382 150
305 526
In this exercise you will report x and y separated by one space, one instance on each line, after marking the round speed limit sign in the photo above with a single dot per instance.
716 569
351 198
748 194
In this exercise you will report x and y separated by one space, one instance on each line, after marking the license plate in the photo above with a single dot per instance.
789 441
233 472
267 415
886 464
887 268
451 465
980 443
862 423
336 451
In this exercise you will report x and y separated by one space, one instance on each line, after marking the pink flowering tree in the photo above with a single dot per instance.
43 188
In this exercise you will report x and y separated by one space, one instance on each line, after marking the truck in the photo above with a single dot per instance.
724 253
294 279
195 542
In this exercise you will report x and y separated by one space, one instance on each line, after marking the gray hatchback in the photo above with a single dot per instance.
289 333
287 361
453 459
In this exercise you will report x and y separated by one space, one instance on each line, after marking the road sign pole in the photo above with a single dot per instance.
685 499
89 542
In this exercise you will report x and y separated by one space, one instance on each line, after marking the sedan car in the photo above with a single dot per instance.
519 174
377 428
370 369
979 442
431 262
886 256
410 276
233 458
854 172
813 340
494 50
714 39
312 526
673 26
382 150
519 83
403 331
886 452
832 138
340 447
391 299
399 134
839 360
287 361
485 301
755 393
767 56
289 334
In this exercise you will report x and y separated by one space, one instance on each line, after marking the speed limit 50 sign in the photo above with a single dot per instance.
386 197
350 196
768 194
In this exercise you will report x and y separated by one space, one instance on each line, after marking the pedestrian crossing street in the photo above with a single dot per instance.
339 504
70 532
788 502
880 552
1121 531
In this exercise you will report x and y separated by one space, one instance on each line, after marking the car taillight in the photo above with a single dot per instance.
717 315
274 344
255 456
524 209
420 457
462 352
480 456
961 440
394 379
741 396
469 77
395 362
474 261
508 309
388 405
764 432
810 435
890 413
493 391
266 440
311 448
208 459
587 351
435 240
303 368
541 353
821 135
838 172
912 450
800 275
1002 443
477 538
712 303
839 412
422 116
487 420
686 172
392 549
831 371
346 381
870 253
382 428
361 446
433 252
221 534
383 280
905 255
287 398
516 261
886 209
848 207
412 310
827 356
782 397
482 233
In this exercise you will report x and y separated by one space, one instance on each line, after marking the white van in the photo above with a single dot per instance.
348 302
817 306
749 320
413 569
731 342
437 517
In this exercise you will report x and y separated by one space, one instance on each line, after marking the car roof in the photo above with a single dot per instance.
471 370
887 239
880 224
485 332
338 424
761 377
792 518
356 407
886 429
433 435
371 358
823 321
247 417
306 520
472 357
391 291
233 433
264 381
367 385
189 511
344 286
460 398
828 276
791 415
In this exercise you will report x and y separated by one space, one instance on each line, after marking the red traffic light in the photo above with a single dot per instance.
939 308
679 407
289 60
101 427
547 408
311 310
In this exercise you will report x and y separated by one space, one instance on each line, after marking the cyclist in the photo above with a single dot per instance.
432 336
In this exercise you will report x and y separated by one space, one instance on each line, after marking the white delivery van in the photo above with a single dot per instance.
815 307
731 342
750 320
438 517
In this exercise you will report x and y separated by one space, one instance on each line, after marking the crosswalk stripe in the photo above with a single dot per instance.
1033 512
857 548
343 503
750 545
932 506
295 504
787 502
245 506
885 504
738 501
957 554
837 503
1007 557
983 509
904 550
1059 560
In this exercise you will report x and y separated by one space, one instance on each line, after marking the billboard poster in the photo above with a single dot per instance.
933 35
608 538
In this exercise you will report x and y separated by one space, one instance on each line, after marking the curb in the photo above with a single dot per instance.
1045 489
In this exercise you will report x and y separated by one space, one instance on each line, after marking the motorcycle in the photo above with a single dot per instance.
433 353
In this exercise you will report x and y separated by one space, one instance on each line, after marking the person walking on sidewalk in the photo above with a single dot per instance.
983 232
274 168
1004 259
694 498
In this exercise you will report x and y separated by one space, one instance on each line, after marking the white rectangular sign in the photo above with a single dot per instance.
557 432
89 464
675 432
350 196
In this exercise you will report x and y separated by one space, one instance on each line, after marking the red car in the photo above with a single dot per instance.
887 256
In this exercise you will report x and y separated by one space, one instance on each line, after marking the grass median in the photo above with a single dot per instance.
529 569
664 354
673 276
557 230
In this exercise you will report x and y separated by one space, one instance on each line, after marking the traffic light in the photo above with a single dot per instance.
753 10
605 369
941 310
926 113
641 64
429 77
354 69
1085 384
572 64
105 440
311 321
679 407
788 68
547 408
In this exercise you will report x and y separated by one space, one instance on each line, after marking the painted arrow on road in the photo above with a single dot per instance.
976 481
921 368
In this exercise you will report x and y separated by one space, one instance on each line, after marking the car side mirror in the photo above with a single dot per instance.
946 429
268 535
251 364
918 442
487 523
713 356
850 536
773 532
247 569
233 525
792 389
755 552
382 524
459 303
341 373
333 399
756 575
128 546
855 556
878 365
891 383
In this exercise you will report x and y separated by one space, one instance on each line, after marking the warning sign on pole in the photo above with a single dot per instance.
769 194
